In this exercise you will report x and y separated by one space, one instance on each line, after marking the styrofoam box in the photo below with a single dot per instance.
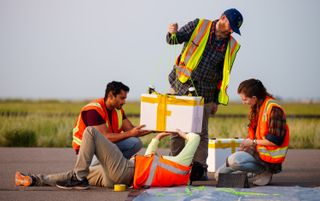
219 150
180 114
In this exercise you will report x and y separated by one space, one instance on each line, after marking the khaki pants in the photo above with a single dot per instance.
114 167
177 143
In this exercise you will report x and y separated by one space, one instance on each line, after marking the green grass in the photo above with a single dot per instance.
304 133
73 107
290 108
50 131
49 123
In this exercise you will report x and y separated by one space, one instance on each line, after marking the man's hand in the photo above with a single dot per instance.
138 132
173 28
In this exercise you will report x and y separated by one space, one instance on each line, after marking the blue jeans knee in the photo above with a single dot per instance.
129 146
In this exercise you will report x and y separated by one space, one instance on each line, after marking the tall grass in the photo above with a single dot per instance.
50 123
49 131
304 133
291 108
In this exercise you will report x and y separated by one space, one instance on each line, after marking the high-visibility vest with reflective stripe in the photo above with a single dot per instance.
191 56
231 52
154 171
99 106
271 154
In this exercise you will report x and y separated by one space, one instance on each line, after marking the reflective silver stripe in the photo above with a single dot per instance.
76 140
152 170
119 115
76 128
183 70
94 104
277 153
197 39
173 169
235 46
170 168
266 108
232 43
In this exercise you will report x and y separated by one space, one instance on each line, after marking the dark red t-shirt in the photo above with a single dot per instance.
93 118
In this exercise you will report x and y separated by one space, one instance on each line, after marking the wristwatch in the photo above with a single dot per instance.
254 142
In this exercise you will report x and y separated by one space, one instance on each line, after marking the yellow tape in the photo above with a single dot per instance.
220 145
172 100
119 187
161 113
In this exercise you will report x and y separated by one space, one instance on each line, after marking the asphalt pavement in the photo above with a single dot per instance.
301 168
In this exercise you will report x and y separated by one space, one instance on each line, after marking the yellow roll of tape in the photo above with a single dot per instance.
119 187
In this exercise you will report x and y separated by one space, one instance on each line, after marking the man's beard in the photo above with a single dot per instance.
221 34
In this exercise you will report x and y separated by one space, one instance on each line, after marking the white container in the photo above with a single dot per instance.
168 112
219 150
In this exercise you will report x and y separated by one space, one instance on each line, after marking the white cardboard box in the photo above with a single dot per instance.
219 150
168 112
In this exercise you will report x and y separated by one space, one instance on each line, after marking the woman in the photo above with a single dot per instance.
264 150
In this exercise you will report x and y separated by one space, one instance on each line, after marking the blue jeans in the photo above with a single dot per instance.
241 161
128 147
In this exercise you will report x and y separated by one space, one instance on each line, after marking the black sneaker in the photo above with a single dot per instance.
204 176
198 172
74 183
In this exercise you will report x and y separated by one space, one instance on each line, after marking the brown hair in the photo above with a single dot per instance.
250 88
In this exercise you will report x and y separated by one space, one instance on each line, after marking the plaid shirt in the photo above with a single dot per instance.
277 126
208 74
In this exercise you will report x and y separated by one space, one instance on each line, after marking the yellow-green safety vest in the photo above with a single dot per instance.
191 56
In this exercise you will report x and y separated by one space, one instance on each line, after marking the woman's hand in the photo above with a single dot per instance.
247 145
182 134
247 142
159 136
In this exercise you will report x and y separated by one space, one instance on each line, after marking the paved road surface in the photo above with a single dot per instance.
302 168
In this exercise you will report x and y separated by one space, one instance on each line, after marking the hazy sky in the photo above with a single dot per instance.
70 49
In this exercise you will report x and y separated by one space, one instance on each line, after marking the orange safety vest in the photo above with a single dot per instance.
99 106
156 171
189 59
270 154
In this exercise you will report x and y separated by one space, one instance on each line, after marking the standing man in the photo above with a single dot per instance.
205 63
107 116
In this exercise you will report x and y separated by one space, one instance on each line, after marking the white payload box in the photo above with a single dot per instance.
219 150
161 112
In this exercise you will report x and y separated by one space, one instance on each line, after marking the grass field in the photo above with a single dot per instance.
48 123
